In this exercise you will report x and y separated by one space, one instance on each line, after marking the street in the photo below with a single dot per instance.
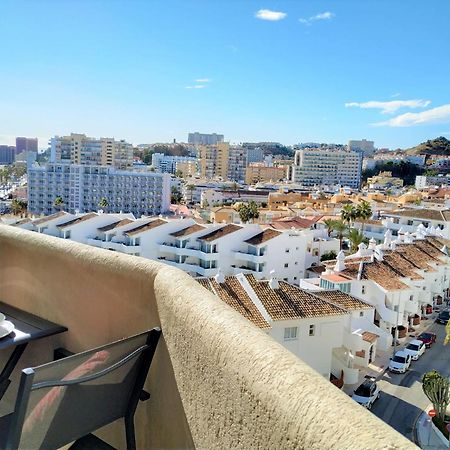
402 398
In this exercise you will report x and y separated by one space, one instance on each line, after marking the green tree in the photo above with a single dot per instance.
58 203
179 173
363 212
355 238
176 196
329 223
18 206
327 256
339 228
103 203
191 189
436 388
248 211
348 214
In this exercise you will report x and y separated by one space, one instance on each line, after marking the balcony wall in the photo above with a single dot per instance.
216 381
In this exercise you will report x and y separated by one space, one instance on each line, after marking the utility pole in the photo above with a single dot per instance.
396 328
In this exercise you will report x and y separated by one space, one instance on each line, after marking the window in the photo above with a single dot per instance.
296 263
290 333
363 289
411 297
286 264
312 330
286 250
285 279
361 314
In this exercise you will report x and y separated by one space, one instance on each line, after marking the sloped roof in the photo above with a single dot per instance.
369 337
343 300
187 231
145 227
77 220
290 302
262 237
50 217
427 214
114 225
233 294
219 233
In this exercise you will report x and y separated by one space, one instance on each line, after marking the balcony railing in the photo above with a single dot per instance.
216 382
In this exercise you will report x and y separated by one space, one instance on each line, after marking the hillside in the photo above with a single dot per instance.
438 146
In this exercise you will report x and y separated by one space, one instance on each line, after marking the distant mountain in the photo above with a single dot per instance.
438 146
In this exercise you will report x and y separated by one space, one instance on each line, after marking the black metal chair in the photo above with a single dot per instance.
64 401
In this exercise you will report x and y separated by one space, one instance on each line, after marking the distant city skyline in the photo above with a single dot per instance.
280 71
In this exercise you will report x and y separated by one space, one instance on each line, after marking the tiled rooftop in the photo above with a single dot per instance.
343 300
77 220
145 227
220 232
428 214
114 225
369 337
49 218
234 295
187 231
262 237
290 302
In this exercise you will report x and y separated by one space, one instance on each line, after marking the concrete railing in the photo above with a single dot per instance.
216 381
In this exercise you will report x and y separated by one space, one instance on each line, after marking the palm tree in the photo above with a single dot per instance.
58 203
103 203
329 223
339 227
355 237
348 214
191 189
363 212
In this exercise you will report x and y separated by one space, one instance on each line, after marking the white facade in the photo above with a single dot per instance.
367 148
82 188
331 167
168 164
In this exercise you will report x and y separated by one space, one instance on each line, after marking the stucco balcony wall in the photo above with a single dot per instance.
216 381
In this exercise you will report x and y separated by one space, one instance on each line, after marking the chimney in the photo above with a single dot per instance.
378 254
372 244
388 237
360 270
340 262
401 235
444 249
432 231
219 277
273 282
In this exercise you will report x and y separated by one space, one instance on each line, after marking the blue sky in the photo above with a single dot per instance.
288 71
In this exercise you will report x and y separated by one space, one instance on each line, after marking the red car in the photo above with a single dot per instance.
427 338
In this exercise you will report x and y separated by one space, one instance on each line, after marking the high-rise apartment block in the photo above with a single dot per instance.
367 148
222 161
327 166
82 188
24 144
7 154
255 155
169 164
204 139
80 149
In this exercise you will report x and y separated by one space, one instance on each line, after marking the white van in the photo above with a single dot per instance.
400 362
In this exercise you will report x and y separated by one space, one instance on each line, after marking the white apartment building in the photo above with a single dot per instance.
82 187
237 163
199 249
425 181
321 328
398 277
84 150
255 154
168 164
327 166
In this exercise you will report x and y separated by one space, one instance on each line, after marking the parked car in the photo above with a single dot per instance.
400 362
443 317
367 393
427 338
415 348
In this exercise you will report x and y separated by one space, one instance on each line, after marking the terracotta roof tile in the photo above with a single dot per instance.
220 232
427 214
369 337
187 231
50 217
343 300
77 220
262 237
290 302
233 294
114 225
145 227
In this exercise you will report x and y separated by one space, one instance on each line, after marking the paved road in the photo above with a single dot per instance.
402 398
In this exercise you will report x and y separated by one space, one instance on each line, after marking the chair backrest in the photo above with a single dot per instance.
62 401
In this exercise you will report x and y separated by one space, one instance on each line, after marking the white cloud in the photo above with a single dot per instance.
397 94
391 106
440 114
196 86
203 80
267 14
327 15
